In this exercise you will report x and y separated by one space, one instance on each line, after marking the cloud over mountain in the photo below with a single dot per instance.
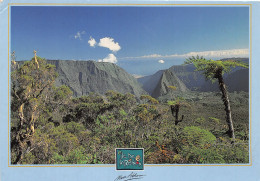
110 58
109 43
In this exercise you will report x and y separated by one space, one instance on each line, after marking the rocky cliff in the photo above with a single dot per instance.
168 78
84 77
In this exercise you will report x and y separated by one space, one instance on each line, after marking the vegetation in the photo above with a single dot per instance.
214 70
49 126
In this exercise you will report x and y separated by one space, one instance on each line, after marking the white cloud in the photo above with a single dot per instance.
220 53
92 42
152 56
206 54
161 61
109 43
110 58
78 35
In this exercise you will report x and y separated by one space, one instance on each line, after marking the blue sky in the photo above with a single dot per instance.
141 40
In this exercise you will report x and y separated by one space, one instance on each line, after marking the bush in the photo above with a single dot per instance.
200 155
195 136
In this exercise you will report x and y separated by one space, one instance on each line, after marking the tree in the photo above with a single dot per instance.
30 85
214 70
175 105
175 108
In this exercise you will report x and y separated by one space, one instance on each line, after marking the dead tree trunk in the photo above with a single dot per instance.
175 113
35 59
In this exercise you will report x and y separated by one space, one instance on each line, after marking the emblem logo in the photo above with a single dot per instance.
129 159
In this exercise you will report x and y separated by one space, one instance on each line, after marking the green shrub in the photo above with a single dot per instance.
200 155
57 159
77 156
237 153
195 146
195 136
74 127
28 159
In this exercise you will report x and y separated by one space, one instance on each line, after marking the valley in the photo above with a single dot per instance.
78 112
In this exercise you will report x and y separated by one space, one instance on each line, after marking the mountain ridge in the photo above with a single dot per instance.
85 76
236 80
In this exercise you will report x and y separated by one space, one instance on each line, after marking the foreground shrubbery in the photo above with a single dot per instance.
98 125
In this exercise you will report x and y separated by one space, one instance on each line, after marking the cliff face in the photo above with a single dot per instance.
150 82
84 77
235 81
168 78
184 77
187 74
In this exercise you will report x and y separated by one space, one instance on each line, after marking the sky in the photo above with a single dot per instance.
142 40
